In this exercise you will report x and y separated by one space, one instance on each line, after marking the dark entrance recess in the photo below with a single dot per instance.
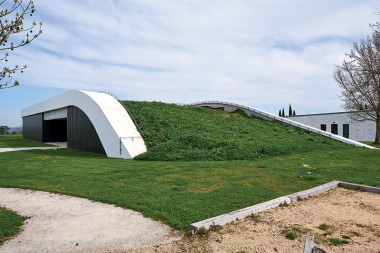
55 130
334 128
77 130
323 127
81 134
346 130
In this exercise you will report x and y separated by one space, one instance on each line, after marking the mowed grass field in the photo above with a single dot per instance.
200 163
182 192
16 141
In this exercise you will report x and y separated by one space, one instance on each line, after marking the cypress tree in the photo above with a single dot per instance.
294 112
279 113
290 110
283 112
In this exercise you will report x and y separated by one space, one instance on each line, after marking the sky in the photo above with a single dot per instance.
264 54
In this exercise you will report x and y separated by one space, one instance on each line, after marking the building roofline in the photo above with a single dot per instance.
327 113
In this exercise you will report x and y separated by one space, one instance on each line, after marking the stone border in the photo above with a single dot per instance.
242 213
359 186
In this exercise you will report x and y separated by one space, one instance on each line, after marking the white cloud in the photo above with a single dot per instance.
253 52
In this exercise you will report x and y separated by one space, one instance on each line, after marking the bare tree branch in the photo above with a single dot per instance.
359 78
12 24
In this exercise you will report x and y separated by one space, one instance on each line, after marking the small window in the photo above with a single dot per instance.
323 127
334 128
346 130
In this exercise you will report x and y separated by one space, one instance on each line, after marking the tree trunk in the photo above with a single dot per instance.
377 139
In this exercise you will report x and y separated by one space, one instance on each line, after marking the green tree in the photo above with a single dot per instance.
279 113
290 110
14 34
283 112
294 112
4 129
359 78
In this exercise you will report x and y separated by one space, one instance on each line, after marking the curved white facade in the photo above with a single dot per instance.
115 128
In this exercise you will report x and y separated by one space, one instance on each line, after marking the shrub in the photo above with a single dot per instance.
336 241
323 226
291 235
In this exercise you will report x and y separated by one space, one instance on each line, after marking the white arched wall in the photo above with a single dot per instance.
115 128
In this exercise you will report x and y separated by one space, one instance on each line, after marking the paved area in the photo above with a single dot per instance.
19 149
60 223
60 145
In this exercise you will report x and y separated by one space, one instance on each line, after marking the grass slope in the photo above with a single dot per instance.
182 192
193 133
10 223
16 141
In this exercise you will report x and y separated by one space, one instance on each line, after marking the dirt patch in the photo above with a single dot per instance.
347 218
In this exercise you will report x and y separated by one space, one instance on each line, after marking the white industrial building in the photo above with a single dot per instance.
339 123
89 121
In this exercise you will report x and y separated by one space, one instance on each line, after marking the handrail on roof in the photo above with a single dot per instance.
289 122
129 112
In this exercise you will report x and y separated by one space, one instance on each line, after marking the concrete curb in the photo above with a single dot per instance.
238 214
313 191
242 213
359 186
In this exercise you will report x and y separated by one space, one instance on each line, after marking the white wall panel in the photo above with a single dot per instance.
359 131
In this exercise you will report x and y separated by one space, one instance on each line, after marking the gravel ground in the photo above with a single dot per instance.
350 216
60 223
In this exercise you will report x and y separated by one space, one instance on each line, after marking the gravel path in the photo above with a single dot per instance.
60 223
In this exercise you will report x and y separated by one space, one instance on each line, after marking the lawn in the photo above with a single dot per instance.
10 223
16 141
182 192
200 163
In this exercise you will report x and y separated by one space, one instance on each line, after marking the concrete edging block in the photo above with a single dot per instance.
238 214
313 191
362 187
243 213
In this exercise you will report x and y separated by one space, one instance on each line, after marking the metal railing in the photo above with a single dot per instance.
128 111
287 121
128 137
